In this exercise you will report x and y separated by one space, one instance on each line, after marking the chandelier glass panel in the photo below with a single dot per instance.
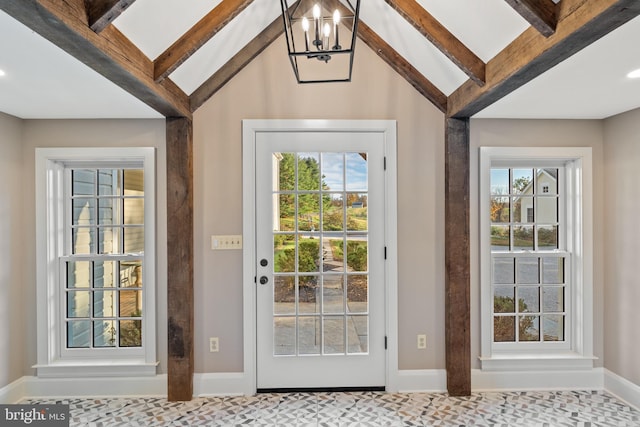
321 38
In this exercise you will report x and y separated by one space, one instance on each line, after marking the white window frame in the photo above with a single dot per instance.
54 360
576 352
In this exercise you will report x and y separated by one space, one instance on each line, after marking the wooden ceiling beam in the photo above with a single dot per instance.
402 67
541 14
580 23
236 63
441 38
101 13
197 36
110 53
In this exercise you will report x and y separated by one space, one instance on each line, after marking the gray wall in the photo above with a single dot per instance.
13 310
266 89
622 245
540 133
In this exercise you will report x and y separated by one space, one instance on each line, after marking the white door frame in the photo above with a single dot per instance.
249 130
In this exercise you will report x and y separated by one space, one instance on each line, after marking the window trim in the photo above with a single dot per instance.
578 216
52 359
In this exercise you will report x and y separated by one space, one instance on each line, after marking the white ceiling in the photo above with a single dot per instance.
591 84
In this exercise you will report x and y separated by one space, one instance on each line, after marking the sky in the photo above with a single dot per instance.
333 170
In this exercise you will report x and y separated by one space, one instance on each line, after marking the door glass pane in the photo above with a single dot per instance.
308 254
357 259
333 171
284 335
357 293
333 213
332 255
308 212
334 336
309 337
357 219
284 170
284 295
356 172
333 293
357 334
308 171
308 294
284 253
284 219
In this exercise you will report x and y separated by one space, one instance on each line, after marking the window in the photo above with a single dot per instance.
96 262
535 209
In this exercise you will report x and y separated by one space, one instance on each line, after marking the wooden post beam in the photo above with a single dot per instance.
457 258
180 304
580 23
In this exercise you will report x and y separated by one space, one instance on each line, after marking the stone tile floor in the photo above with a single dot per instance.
557 408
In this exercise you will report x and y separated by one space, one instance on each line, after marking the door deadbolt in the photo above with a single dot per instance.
264 262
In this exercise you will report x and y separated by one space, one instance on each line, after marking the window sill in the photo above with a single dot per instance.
536 362
107 368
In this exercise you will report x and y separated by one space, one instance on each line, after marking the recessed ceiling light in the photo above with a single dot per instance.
635 74
2 73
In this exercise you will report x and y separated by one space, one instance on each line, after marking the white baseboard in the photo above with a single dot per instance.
622 388
12 393
587 379
35 387
219 384
422 380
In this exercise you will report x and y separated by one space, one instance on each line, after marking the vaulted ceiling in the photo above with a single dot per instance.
483 58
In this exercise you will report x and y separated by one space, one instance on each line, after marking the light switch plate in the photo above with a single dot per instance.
219 243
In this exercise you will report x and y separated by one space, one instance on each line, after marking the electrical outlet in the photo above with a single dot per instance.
422 342
214 345
226 242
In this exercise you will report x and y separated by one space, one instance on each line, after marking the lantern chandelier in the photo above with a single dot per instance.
321 40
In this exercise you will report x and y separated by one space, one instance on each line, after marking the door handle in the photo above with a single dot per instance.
264 280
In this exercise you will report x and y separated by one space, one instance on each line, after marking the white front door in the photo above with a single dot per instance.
320 253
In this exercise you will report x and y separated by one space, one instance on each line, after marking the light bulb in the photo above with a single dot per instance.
316 11
327 29
305 24
336 17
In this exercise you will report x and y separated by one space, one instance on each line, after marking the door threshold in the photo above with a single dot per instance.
320 389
